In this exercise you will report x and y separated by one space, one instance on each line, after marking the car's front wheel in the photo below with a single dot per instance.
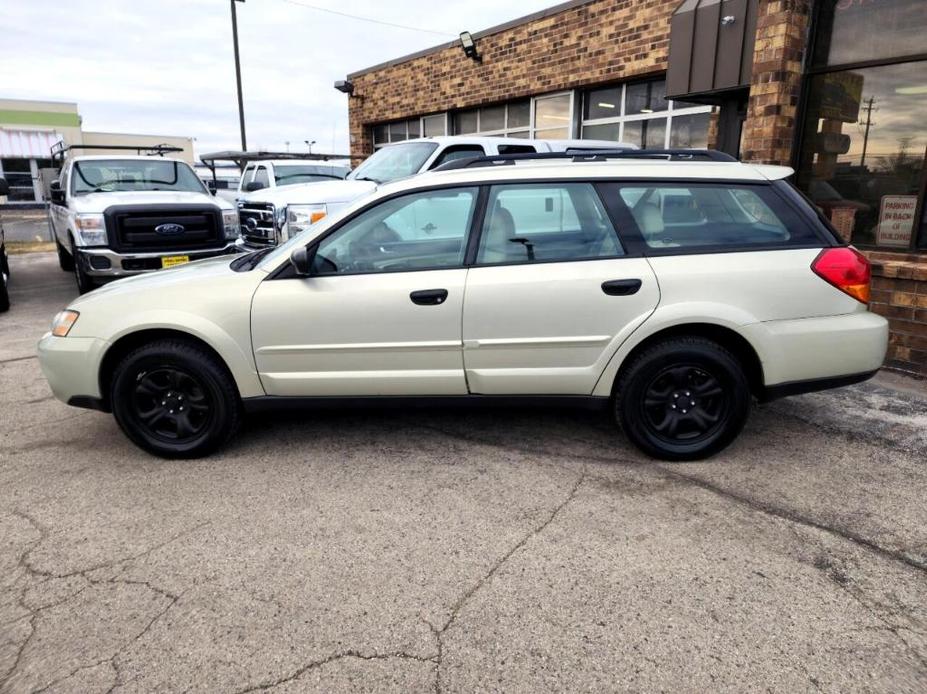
684 398
175 399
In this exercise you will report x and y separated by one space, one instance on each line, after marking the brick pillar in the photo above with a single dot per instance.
781 37
361 139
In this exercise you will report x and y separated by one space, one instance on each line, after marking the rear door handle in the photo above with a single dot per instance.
621 287
428 297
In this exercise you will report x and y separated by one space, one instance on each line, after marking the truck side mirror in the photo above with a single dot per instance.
57 194
211 186
4 187
253 186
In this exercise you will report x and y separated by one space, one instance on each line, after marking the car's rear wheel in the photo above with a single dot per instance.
684 398
175 399
65 259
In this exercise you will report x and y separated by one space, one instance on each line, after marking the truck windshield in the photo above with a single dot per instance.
395 161
289 173
112 175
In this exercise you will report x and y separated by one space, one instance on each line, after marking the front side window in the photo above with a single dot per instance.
260 176
414 232
529 223
713 215
111 175
396 161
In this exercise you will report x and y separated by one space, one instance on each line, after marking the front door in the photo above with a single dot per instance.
552 295
381 312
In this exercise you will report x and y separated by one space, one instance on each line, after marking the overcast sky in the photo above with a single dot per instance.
166 67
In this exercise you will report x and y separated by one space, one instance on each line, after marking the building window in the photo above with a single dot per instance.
401 130
855 31
639 113
862 159
505 120
18 173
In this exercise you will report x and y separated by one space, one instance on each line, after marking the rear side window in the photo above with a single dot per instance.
456 152
713 215
546 222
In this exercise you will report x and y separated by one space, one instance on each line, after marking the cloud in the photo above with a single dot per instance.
166 67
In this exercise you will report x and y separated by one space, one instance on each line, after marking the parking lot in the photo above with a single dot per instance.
457 551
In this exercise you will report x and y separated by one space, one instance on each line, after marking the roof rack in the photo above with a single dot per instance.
592 155
60 149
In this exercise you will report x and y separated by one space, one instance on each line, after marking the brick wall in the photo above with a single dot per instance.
599 41
775 84
899 292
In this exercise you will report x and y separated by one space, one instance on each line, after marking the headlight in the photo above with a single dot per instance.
301 217
63 322
91 230
231 224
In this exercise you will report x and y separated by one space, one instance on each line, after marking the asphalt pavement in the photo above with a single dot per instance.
457 551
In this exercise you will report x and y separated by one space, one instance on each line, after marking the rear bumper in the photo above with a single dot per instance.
829 351
126 264
784 390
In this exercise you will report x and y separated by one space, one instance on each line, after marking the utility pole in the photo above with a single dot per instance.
241 103
868 109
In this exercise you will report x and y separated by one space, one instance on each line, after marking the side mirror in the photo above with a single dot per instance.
4 187
301 259
57 194
211 186
253 186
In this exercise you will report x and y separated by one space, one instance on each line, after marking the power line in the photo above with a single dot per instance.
367 19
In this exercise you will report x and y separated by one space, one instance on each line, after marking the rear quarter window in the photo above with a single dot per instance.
713 216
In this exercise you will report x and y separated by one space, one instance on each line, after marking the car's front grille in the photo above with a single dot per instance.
257 223
173 228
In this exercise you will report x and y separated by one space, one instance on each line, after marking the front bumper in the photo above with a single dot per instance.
71 366
105 263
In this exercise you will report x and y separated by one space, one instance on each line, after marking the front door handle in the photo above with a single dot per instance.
428 297
621 287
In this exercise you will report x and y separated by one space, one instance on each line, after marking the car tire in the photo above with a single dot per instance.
84 283
685 398
175 399
65 259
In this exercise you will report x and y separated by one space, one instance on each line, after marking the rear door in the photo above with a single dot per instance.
552 293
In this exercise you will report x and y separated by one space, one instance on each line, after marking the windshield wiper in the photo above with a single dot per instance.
249 261
368 178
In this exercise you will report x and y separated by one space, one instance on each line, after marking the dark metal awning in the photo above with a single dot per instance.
711 48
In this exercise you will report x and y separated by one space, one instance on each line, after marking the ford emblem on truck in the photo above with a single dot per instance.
170 229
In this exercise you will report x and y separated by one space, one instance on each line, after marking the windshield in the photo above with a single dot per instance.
111 175
287 174
395 161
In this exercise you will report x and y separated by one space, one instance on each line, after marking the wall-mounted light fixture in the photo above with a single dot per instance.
469 46
345 87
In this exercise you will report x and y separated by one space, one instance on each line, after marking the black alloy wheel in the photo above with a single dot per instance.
175 399
683 399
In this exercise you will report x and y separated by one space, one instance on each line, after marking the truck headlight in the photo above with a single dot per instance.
63 322
230 224
301 217
91 230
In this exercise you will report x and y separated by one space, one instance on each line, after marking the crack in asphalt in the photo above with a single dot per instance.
24 563
462 601
331 659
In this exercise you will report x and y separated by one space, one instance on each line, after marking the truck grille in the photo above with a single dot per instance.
165 228
257 223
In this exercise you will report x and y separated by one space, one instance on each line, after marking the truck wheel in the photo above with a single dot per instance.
4 277
65 259
683 399
175 399
84 283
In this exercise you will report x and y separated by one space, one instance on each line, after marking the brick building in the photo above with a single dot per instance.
836 89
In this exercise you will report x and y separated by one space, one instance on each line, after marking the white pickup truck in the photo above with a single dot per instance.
276 173
271 216
119 215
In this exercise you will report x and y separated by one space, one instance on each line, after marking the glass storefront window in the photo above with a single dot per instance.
602 103
434 126
646 134
467 122
492 118
854 31
606 131
646 97
519 114
863 151
552 112
690 132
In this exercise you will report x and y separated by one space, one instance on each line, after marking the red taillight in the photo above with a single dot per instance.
845 268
